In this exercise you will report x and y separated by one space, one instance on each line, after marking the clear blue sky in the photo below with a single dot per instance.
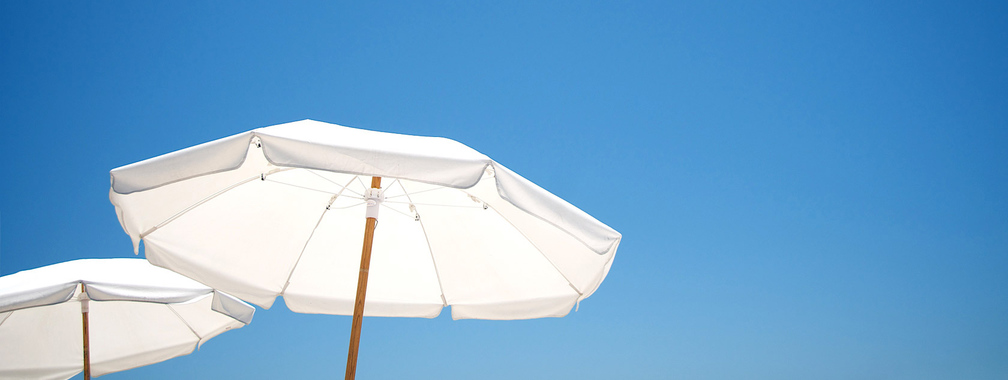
805 190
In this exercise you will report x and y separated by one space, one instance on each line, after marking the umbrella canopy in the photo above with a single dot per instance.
141 315
278 211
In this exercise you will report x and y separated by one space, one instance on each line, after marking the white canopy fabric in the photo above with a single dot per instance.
279 211
139 314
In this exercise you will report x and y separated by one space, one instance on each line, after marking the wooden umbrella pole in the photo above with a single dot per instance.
87 341
358 314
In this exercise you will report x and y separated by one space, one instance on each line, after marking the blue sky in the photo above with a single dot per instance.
805 190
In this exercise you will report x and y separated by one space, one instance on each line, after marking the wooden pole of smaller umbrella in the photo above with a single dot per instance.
87 344
358 314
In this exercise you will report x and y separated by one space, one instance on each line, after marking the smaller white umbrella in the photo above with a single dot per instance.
141 315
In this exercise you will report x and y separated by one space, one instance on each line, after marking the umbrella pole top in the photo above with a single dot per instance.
374 197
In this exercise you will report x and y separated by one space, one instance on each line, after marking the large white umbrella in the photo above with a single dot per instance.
141 314
277 211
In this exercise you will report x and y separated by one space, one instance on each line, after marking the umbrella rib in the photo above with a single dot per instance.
437 273
361 181
342 187
569 282
396 210
347 206
317 223
428 204
186 323
394 181
303 248
414 193
302 187
207 199
385 207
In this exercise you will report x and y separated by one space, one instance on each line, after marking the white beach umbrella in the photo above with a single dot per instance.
277 211
140 315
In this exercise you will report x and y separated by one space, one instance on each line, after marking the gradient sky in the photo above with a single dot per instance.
806 190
